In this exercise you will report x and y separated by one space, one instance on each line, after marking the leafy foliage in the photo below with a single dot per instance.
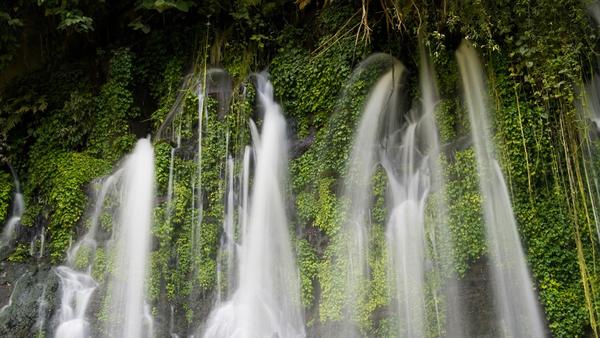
8 40
110 138
6 189
465 218
117 73
60 178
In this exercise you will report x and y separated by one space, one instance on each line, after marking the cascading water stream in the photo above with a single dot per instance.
18 208
77 286
245 184
432 149
229 228
405 234
591 110
88 242
357 187
42 243
172 324
129 316
214 81
266 302
5 307
442 245
516 302
40 323
170 185
257 277
228 245
197 186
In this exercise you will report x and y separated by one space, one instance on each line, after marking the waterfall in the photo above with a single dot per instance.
77 286
228 227
42 242
133 186
40 322
172 324
590 111
257 280
88 242
170 185
245 183
357 187
227 247
197 185
127 314
516 302
442 244
266 302
405 235
18 208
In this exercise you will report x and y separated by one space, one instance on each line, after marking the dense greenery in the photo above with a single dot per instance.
81 80
5 192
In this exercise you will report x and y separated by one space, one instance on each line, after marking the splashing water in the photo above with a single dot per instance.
266 302
516 303
77 285
77 288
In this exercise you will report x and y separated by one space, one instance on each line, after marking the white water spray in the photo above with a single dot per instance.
18 208
516 303
77 286
440 237
127 311
405 234
76 292
357 191
267 300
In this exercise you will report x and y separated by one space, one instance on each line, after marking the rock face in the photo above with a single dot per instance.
23 310
476 293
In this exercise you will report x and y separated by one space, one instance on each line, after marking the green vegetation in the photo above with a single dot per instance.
6 189
465 218
80 81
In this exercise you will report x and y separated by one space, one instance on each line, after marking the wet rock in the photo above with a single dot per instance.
21 289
